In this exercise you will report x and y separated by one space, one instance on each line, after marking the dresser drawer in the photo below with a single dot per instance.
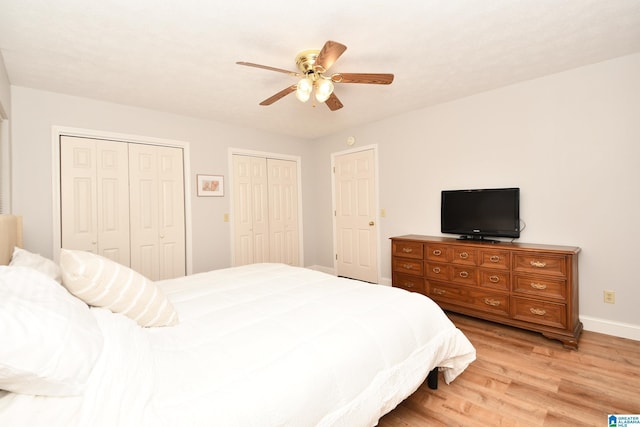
494 279
540 287
475 299
437 271
407 265
539 312
540 263
408 282
437 252
408 249
466 256
464 275
494 259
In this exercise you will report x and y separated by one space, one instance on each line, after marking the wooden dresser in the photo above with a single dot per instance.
530 286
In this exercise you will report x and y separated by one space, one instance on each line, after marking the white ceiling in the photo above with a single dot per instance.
179 56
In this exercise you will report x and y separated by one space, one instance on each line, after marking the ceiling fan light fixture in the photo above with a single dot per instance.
324 89
303 90
313 66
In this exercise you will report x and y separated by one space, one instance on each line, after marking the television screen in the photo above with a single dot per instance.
478 213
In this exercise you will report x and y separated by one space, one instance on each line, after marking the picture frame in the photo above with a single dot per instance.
210 185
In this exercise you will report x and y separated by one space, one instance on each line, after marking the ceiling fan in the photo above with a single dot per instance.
313 65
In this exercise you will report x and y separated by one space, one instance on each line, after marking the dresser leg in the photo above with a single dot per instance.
569 342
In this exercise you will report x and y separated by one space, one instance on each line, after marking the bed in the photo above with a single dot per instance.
257 345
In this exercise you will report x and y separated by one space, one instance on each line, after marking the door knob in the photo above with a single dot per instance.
371 223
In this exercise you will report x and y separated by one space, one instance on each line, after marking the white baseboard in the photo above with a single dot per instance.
385 281
609 327
329 270
322 268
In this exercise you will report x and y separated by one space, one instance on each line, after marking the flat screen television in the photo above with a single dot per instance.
478 214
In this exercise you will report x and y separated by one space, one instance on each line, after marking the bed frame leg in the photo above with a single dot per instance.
432 379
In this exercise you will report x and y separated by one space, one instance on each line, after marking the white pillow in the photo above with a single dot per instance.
49 340
23 258
101 282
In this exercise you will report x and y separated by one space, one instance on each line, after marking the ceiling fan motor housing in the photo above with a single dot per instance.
306 60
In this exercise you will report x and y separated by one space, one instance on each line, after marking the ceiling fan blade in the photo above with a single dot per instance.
279 95
329 54
368 78
333 102
265 67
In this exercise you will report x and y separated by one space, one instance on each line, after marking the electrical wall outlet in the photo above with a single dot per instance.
610 297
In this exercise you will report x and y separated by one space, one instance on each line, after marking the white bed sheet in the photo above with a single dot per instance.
260 345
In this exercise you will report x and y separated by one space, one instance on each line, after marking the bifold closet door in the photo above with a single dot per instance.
95 197
251 210
265 194
157 211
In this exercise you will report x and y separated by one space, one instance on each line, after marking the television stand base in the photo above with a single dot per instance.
478 239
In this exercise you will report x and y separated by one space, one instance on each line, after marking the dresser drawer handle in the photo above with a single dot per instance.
408 284
464 255
538 311
436 270
538 264
494 258
407 250
464 274
539 286
491 302
437 252
407 266
494 279
439 291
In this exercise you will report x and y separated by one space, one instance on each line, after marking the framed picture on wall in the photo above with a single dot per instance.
210 185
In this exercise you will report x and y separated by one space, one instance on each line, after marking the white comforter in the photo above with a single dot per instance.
260 345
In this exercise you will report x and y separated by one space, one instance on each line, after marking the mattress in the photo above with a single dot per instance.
260 345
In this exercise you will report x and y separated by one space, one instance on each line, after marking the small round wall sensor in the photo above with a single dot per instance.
351 140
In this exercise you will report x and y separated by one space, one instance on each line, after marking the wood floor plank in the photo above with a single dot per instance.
521 378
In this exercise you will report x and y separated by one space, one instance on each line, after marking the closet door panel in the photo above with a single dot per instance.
243 215
78 200
171 213
143 216
113 200
260 209
283 211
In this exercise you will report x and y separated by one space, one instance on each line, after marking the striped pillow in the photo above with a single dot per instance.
101 282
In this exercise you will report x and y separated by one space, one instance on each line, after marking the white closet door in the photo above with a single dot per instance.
171 203
95 197
251 214
157 211
283 211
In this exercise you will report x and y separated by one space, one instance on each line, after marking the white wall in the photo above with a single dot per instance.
570 141
36 112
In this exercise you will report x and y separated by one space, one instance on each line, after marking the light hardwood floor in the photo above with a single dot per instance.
521 378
